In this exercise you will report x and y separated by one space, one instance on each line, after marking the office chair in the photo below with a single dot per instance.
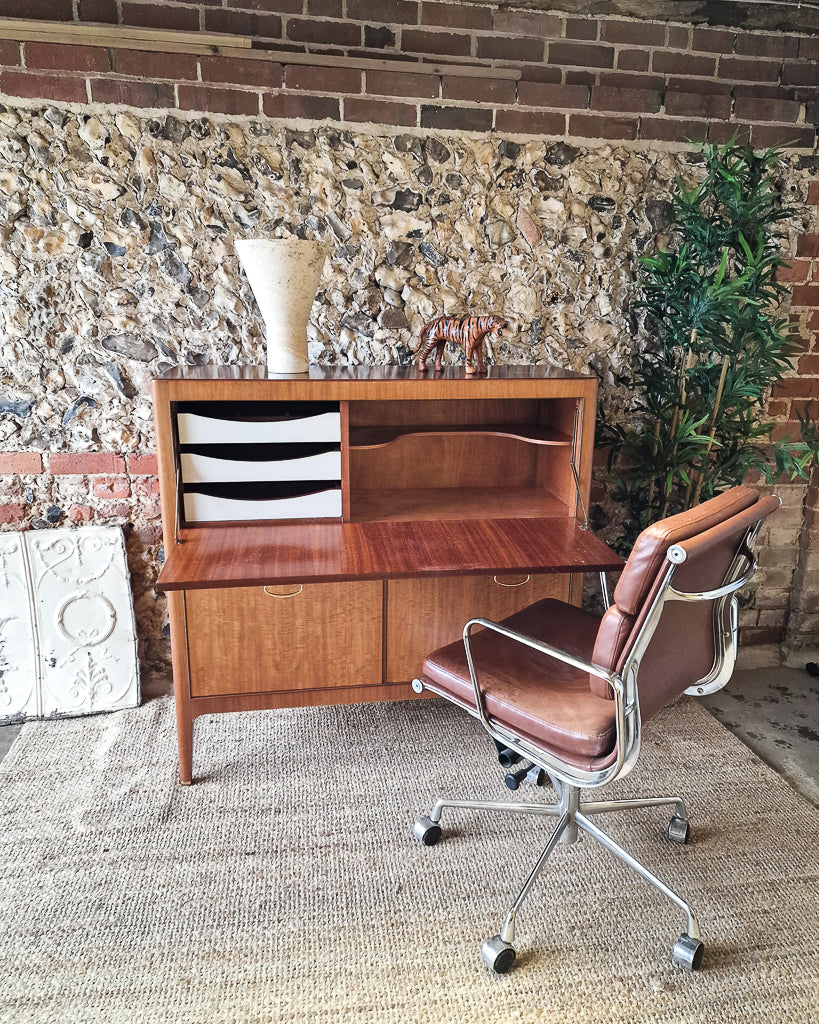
570 691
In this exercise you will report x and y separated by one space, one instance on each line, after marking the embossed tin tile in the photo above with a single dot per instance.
19 689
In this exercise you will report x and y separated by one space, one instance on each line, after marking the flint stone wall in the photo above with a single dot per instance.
117 262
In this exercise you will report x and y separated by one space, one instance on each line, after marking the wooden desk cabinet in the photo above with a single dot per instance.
324 531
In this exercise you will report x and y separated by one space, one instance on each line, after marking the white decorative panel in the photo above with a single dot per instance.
18 648
82 647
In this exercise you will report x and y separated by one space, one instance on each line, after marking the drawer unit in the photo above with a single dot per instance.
246 461
288 637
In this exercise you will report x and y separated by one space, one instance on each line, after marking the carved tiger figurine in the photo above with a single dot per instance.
468 331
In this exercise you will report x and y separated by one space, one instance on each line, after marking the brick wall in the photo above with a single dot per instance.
584 77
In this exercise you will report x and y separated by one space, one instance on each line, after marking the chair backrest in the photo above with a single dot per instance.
687 638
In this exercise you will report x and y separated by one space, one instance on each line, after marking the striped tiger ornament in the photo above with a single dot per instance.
468 331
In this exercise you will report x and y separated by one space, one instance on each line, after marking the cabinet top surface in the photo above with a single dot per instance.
378 374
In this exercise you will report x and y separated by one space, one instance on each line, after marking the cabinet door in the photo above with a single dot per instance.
261 639
424 614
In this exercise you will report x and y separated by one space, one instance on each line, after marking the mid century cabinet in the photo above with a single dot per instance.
324 531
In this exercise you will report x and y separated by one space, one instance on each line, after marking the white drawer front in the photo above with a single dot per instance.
204 508
195 429
204 469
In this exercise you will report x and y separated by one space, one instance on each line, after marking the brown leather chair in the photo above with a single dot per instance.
570 691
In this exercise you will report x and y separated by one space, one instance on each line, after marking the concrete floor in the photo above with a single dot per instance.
774 711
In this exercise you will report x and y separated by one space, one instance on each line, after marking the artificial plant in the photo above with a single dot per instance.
715 345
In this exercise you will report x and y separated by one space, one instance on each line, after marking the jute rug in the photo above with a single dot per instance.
285 885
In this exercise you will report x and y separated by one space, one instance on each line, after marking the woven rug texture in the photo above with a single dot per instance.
285 885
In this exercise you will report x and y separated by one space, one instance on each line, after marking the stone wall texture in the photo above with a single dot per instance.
456 157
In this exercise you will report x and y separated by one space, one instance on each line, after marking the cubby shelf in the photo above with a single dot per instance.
375 437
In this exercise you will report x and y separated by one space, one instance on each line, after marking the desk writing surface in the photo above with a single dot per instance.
236 556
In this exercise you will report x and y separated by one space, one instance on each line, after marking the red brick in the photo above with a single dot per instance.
699 85
590 126
813 193
723 131
581 55
778 410
112 487
402 83
812 112
587 78
58 88
13 513
24 463
682 64
160 16
605 97
622 80
63 57
800 74
807 245
145 487
796 273
738 69
42 10
244 23
783 135
529 122
528 23
756 45
120 510
537 94
385 12
540 73
712 40
632 60
678 37
664 129
582 28
81 463
448 43
757 109
809 48
173 66
337 33
132 94
468 119
497 48
282 6
323 79
217 101
634 33
809 366
686 104
80 513
763 92
805 294
104 11
142 465
9 53
322 8
380 112
797 387
315 108
479 90
238 71
456 15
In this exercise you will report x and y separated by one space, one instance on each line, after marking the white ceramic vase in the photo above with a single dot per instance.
284 274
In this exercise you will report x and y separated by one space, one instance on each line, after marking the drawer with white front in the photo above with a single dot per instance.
257 422
212 503
227 462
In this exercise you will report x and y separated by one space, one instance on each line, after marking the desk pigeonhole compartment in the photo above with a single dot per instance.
243 461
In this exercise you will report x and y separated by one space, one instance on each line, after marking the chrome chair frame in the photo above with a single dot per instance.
570 781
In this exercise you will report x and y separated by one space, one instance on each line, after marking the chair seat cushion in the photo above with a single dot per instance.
543 700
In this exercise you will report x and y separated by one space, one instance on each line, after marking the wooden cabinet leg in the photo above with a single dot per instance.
184 739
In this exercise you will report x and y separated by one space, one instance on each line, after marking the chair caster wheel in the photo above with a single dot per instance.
687 952
498 955
679 830
427 831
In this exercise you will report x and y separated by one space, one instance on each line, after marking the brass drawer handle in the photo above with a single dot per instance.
521 584
283 596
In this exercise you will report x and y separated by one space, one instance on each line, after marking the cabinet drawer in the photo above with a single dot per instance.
257 639
206 468
229 427
424 614
213 508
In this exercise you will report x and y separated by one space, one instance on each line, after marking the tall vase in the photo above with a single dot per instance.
284 274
